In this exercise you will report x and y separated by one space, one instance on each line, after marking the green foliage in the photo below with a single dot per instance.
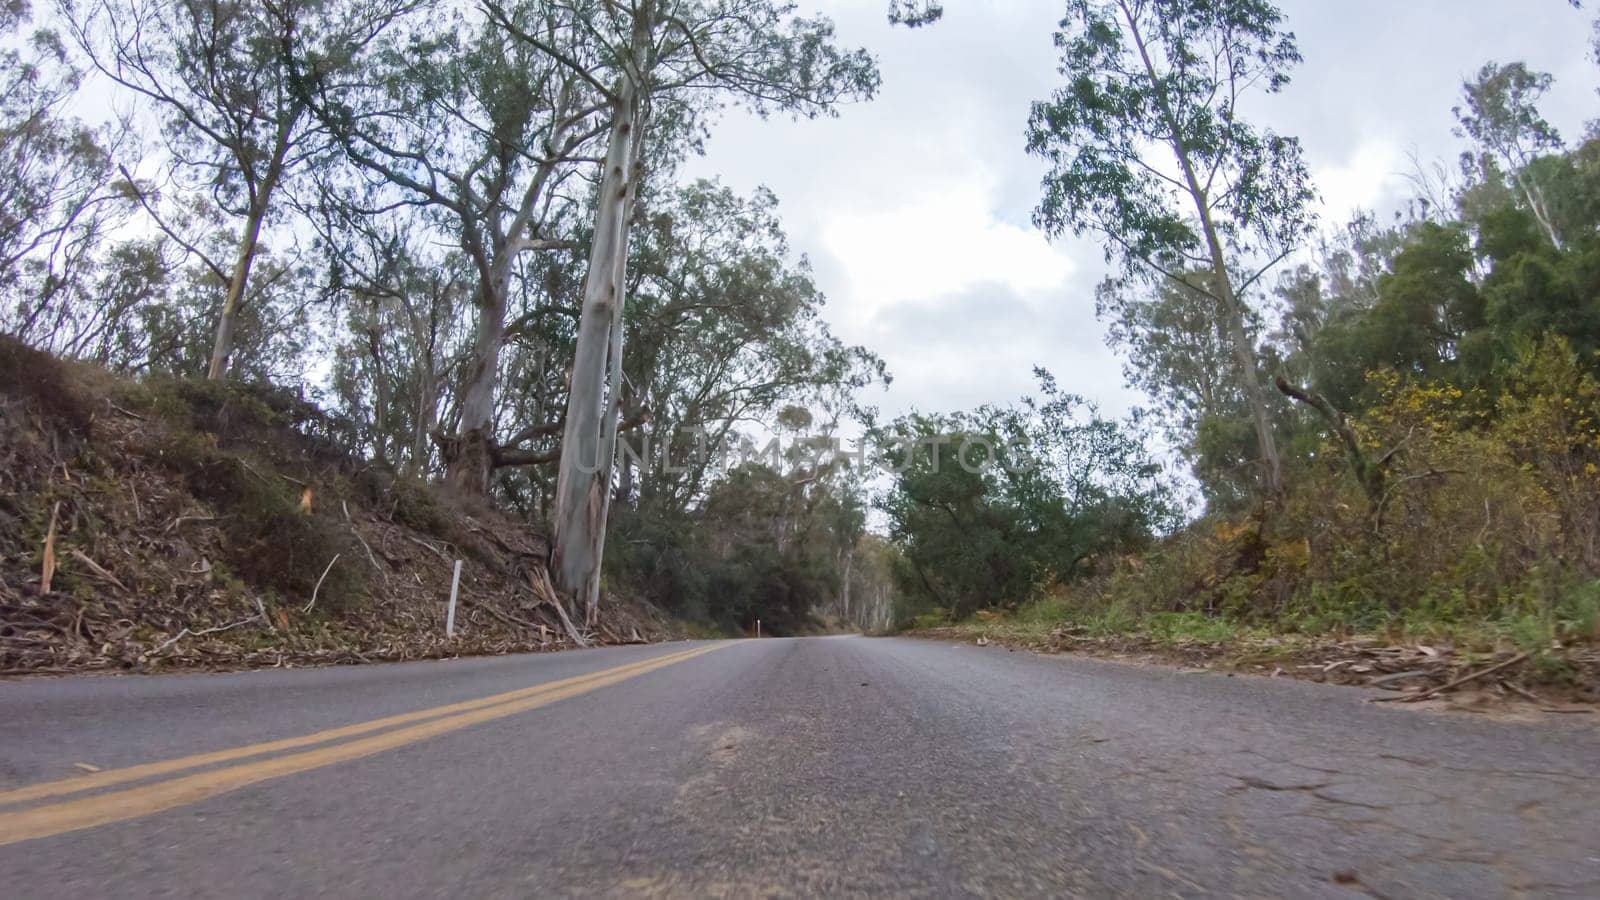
1174 628
989 506
1147 146
1142 75
765 545
1485 531
915 13
725 324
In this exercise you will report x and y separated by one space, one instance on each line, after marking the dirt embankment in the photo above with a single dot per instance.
162 524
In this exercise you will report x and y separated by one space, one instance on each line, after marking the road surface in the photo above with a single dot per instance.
831 766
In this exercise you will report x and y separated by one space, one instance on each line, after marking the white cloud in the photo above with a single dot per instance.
935 245
1373 173
915 207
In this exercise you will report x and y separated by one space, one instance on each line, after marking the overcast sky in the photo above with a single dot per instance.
915 209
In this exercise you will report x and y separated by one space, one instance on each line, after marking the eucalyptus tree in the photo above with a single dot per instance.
485 132
726 332
405 309
216 75
1176 351
1501 117
915 13
1148 148
58 198
658 65
988 505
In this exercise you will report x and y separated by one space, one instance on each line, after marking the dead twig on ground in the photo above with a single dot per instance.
313 601
507 618
128 412
1452 685
371 557
251 469
1522 692
422 543
182 519
97 569
201 633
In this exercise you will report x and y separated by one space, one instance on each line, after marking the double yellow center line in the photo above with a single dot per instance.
116 806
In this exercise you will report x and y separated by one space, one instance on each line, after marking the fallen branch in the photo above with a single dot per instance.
318 587
422 543
1432 692
201 633
261 610
251 469
127 412
182 519
371 557
506 618
1398 676
96 568
540 579
1522 692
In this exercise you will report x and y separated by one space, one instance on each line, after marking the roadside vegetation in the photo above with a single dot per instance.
1395 436
357 278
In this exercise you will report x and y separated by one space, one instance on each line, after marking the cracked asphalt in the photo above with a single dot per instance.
828 766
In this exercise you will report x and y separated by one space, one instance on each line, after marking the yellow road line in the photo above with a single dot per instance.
111 777
117 806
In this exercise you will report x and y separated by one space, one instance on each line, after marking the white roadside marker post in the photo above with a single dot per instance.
758 628
450 614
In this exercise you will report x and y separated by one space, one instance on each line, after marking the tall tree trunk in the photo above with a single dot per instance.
260 202
1232 305
1244 351
470 461
844 592
471 457
380 391
427 419
1541 211
612 418
1244 358
582 485
222 346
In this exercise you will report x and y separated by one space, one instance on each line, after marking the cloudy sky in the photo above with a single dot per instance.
915 208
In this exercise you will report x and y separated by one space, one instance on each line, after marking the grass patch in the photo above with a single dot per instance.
1177 628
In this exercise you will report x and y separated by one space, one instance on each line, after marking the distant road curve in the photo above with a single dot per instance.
824 766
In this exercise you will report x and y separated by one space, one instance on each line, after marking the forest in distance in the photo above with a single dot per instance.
462 231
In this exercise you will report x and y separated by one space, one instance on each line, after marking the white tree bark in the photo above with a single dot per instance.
470 462
222 345
249 242
582 485
613 407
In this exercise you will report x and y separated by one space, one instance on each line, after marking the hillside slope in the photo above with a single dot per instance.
163 523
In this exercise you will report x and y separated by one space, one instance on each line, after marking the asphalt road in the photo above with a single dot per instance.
828 766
